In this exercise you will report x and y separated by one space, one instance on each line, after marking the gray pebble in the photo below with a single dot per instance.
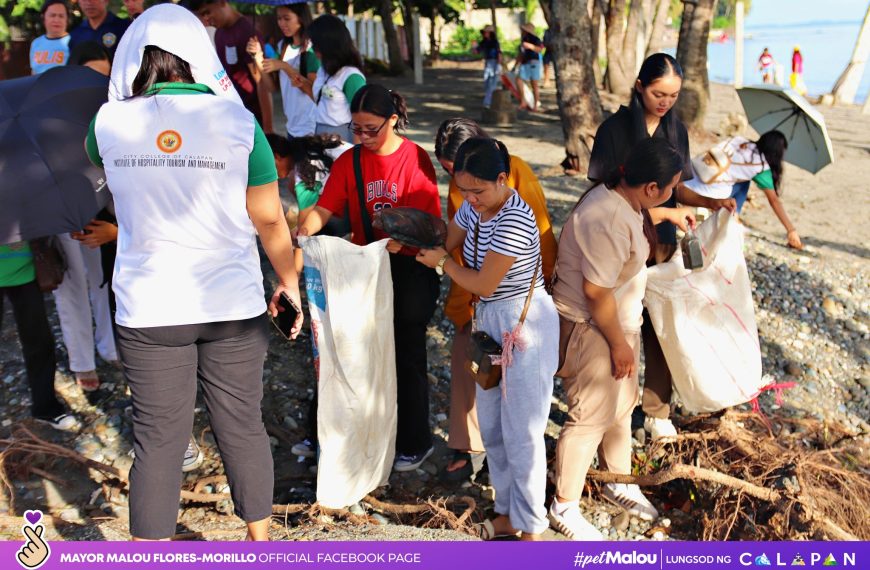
620 522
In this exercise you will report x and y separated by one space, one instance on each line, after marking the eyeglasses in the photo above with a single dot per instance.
360 132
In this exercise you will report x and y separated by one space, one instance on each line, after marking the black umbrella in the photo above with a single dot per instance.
47 184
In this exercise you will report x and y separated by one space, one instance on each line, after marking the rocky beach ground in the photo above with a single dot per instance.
812 310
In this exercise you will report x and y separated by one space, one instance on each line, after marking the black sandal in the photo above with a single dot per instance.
473 465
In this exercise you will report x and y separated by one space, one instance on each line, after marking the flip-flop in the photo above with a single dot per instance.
460 474
88 381
486 531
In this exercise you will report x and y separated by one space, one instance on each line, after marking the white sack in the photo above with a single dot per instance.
705 321
350 297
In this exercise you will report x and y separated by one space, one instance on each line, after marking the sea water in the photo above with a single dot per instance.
826 48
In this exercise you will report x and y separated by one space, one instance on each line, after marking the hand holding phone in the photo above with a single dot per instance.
288 313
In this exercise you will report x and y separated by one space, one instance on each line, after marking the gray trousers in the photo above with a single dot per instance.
162 365
513 417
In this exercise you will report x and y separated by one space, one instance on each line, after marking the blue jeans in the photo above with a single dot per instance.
491 78
739 192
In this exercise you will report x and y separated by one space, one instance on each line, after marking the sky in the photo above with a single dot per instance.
772 12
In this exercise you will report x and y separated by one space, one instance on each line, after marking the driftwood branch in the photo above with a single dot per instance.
681 471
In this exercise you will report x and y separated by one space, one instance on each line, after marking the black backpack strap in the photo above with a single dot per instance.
363 209
303 61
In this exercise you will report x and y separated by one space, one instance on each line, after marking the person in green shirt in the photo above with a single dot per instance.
18 283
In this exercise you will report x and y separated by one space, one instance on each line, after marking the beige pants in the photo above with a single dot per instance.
599 413
464 434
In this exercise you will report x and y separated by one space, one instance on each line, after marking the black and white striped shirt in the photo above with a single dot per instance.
513 232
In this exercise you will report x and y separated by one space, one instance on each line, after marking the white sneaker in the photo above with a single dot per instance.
630 498
659 428
572 524
63 422
193 456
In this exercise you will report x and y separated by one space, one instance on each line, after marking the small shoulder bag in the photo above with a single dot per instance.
482 348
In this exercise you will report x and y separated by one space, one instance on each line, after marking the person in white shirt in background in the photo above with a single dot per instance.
338 79
295 64
752 161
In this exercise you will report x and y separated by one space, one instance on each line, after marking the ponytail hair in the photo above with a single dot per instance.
483 158
452 133
381 102
653 159
772 145
308 153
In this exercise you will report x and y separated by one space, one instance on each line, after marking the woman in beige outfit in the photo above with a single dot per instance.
601 277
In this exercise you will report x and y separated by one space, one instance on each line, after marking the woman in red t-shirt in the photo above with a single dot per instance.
395 172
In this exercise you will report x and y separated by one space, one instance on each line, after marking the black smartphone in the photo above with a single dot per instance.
287 318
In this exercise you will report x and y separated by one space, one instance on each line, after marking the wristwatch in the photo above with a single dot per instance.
439 269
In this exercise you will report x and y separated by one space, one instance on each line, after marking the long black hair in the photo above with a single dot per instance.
303 14
330 38
381 102
159 66
308 154
483 158
452 133
772 145
654 67
653 159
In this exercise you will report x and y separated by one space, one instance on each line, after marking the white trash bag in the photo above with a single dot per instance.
350 297
705 321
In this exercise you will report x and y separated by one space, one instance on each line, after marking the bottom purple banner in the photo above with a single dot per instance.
36 553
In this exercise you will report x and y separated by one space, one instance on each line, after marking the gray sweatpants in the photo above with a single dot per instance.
513 424
162 365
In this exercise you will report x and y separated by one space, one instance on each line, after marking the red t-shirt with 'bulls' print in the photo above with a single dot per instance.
405 178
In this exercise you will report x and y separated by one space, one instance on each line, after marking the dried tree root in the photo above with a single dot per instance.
208 533
681 471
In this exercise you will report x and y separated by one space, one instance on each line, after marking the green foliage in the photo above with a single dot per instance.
461 43
723 17
462 39
23 14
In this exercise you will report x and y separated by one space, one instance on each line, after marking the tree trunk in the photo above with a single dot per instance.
576 93
847 85
599 8
492 13
629 42
656 36
407 7
618 74
434 48
385 11
692 55
545 9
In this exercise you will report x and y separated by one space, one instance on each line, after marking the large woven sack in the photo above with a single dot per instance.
705 321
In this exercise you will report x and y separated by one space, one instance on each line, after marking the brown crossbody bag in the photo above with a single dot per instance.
482 348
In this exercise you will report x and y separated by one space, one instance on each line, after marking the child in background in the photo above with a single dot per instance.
305 162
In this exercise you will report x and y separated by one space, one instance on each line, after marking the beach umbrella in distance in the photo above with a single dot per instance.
47 184
770 107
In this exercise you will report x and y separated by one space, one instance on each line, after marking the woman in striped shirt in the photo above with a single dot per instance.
501 245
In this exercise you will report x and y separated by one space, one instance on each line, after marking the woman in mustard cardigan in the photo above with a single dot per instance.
464 431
